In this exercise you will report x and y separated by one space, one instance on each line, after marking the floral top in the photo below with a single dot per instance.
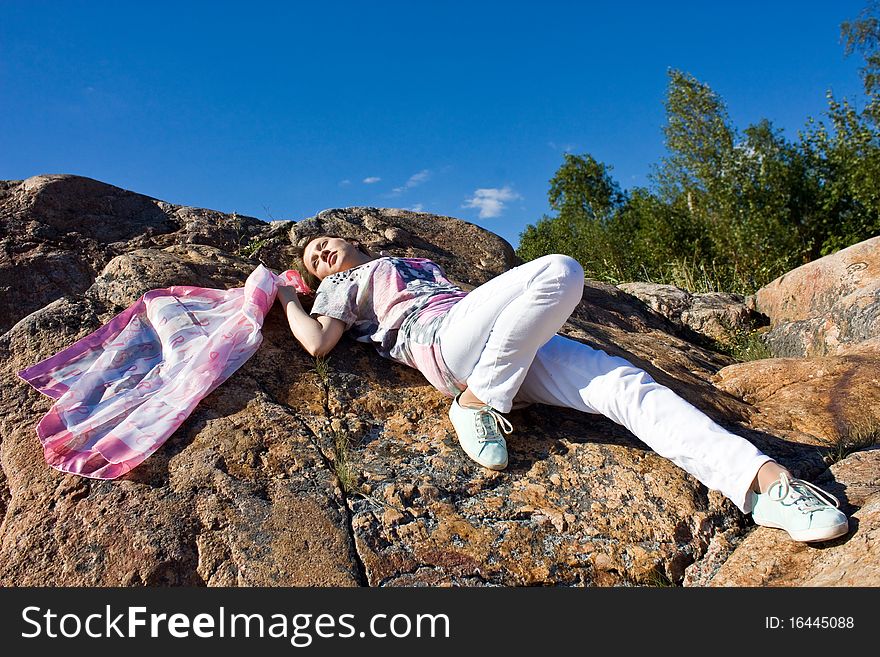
398 304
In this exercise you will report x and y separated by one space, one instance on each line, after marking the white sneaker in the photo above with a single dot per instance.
479 433
805 511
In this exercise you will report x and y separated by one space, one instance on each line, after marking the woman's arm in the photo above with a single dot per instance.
317 336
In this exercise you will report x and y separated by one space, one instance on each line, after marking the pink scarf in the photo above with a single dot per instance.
124 389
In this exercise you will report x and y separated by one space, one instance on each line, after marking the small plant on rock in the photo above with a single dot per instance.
853 438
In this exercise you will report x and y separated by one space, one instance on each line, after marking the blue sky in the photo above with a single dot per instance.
280 110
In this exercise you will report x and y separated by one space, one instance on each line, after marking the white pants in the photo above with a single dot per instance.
501 339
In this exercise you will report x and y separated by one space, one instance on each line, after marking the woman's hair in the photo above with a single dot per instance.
299 262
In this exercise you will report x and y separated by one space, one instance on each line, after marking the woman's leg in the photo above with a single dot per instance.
571 374
490 337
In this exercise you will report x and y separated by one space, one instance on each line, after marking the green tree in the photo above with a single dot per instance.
771 213
846 164
587 200
583 190
699 140
743 194
863 36
739 208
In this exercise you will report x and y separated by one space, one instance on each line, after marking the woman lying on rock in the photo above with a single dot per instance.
497 345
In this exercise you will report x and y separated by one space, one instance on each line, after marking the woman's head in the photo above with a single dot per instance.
331 254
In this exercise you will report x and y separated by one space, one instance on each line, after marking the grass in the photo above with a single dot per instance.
245 246
854 438
656 579
744 345
250 249
322 369
698 278
693 276
343 469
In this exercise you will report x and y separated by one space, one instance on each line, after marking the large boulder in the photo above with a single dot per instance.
468 254
716 316
766 558
239 495
836 398
826 304
58 231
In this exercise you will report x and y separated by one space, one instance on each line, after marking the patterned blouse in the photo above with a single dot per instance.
398 304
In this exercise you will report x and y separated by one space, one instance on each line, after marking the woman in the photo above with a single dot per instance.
497 346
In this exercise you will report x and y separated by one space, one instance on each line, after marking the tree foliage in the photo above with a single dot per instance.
863 36
726 209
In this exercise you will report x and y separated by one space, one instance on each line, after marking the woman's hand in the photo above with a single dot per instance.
293 278
318 335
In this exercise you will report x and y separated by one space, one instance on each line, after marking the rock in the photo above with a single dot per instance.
58 231
717 316
239 495
668 300
721 546
721 316
618 516
468 254
768 557
834 398
826 304
349 473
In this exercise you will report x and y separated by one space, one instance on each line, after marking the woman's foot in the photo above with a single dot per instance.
469 400
805 511
479 432
768 474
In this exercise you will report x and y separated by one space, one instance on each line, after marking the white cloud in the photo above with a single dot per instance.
343 183
418 207
565 148
491 201
414 181
371 179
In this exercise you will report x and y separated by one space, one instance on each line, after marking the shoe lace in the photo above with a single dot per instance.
490 424
807 496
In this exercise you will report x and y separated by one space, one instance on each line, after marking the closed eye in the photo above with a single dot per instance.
318 249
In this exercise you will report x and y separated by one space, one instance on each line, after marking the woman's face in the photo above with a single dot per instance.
330 255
